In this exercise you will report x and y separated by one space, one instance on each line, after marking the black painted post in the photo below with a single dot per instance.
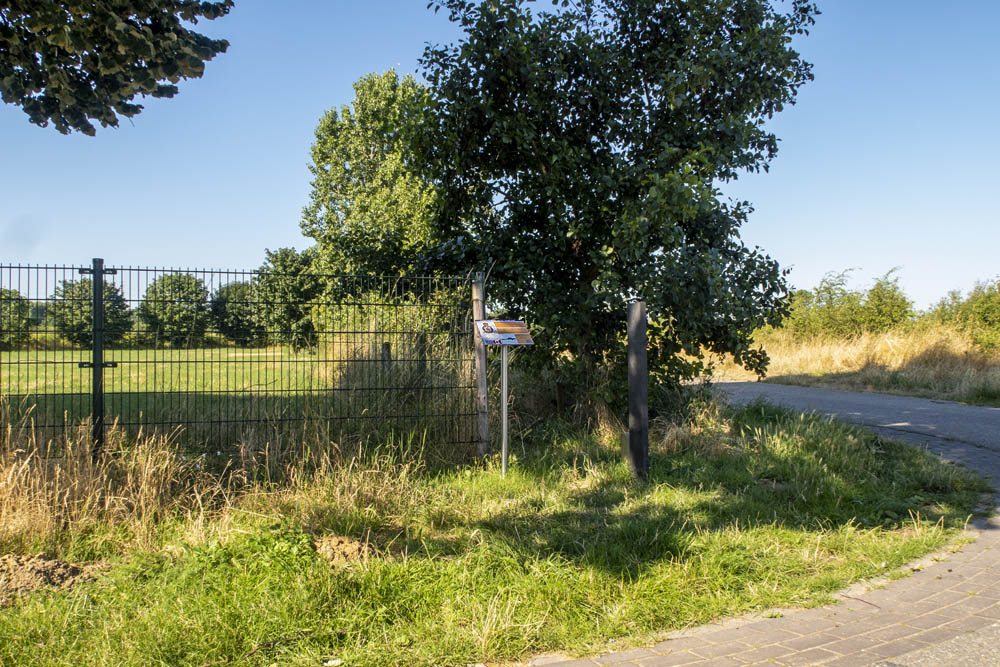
638 391
97 357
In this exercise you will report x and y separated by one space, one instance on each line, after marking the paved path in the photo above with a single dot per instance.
946 613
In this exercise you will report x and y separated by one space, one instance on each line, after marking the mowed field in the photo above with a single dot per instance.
225 387
161 370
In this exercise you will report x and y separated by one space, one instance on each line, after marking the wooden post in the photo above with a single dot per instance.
638 391
479 313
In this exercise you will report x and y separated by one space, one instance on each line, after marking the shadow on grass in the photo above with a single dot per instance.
792 473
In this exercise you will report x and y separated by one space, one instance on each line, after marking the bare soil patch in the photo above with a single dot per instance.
343 551
20 575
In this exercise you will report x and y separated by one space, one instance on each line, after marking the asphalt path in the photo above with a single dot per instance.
915 420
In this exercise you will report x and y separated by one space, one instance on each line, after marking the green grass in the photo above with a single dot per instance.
214 390
743 511
275 368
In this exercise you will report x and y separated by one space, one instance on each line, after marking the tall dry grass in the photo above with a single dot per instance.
924 359
57 497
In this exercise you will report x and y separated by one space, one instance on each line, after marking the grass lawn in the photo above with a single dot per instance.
743 511
214 390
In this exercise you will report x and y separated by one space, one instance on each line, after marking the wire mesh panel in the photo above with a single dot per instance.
227 359
45 333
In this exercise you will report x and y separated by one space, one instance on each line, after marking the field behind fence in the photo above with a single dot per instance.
220 357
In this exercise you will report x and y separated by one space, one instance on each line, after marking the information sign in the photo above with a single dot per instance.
504 332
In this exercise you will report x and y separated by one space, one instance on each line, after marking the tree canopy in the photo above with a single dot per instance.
236 313
71 62
370 210
72 312
175 309
15 319
286 290
597 132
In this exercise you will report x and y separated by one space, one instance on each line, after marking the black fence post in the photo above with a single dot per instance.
97 357
638 391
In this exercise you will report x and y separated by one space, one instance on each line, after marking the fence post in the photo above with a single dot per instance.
638 391
479 313
97 357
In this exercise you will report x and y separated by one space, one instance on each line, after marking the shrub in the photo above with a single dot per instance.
175 309
834 310
235 313
980 316
15 319
71 312
885 305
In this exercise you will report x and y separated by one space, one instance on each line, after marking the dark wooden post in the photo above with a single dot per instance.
638 391
479 313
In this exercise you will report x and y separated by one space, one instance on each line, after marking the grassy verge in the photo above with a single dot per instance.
935 361
744 511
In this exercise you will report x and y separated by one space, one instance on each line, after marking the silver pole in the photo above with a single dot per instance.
503 410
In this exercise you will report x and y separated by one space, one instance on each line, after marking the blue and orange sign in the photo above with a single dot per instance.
504 332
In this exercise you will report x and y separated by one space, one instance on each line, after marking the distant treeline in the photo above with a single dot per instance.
270 307
832 309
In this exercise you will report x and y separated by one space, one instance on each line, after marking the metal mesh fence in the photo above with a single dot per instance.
220 358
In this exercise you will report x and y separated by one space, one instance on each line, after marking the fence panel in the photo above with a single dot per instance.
234 358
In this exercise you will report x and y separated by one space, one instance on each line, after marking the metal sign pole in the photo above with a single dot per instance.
503 410
503 333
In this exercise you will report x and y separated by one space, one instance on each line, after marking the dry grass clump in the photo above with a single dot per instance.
705 431
55 496
45 495
936 361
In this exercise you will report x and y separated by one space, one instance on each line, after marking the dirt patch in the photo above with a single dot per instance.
20 575
343 551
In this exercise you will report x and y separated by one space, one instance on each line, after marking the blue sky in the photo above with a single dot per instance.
887 160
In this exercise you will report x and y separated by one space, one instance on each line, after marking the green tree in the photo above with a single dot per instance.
836 308
597 133
72 314
370 210
885 305
70 62
287 288
15 319
175 309
236 313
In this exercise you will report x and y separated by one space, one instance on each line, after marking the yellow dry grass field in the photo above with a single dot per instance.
932 361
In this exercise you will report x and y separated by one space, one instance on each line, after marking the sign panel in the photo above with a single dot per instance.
504 332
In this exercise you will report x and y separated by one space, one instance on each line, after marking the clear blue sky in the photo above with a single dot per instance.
887 160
